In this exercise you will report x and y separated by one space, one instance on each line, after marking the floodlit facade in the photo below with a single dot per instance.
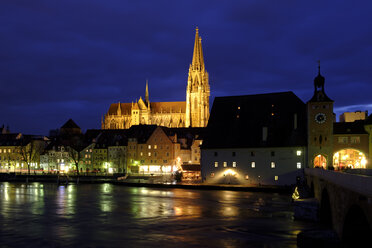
263 142
192 113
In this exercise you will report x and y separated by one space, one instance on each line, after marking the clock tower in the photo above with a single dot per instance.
320 126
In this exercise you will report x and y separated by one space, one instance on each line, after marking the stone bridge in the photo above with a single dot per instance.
345 203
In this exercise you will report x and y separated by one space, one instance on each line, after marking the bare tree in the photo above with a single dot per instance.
30 150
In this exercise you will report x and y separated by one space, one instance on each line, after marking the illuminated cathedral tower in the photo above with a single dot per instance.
197 93
194 112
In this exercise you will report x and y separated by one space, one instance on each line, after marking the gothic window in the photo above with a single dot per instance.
112 124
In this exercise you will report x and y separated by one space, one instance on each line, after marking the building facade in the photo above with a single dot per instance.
255 140
194 112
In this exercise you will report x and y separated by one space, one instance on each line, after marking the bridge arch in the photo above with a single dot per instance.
349 158
356 230
325 212
320 161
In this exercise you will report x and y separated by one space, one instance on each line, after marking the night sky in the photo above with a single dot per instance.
73 58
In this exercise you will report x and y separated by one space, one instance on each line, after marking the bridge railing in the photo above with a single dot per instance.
357 183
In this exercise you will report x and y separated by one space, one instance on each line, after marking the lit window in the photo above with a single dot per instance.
4 150
234 164
246 177
141 153
1 150
155 146
224 164
149 154
212 174
273 165
299 152
149 146
238 107
276 178
253 164
215 164
298 165
343 140
57 160
353 140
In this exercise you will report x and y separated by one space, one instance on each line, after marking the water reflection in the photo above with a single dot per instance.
112 216
106 197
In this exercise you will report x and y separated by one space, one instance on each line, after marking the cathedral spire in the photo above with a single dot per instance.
197 58
119 109
147 99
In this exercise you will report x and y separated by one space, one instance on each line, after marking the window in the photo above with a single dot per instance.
342 140
276 178
272 153
215 154
234 164
273 165
212 174
215 164
149 146
355 140
246 177
253 164
155 147
298 152
233 154
149 154
252 154
141 153
298 165
167 154
224 164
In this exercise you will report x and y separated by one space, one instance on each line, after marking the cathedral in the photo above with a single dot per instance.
194 112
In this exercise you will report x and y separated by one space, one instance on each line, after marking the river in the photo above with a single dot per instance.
105 215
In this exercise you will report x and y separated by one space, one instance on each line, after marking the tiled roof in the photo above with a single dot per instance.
356 127
156 107
239 121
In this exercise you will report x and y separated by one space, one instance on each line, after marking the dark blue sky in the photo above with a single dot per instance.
73 58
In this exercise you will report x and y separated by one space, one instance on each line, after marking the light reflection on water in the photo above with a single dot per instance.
105 215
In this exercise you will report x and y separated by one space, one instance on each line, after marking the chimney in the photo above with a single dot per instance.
264 133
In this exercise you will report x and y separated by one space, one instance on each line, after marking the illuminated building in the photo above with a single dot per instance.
156 150
262 142
353 116
194 112
320 126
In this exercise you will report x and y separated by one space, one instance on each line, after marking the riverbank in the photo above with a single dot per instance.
93 179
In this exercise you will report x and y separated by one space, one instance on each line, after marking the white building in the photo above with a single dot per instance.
255 140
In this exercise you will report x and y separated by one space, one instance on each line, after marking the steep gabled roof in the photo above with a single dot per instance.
239 121
141 132
356 127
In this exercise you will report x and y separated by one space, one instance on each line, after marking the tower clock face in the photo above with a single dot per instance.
320 118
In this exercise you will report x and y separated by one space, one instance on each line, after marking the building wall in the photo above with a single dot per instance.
285 170
351 141
320 134
353 116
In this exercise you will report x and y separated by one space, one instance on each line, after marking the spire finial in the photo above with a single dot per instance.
197 58
147 99
319 67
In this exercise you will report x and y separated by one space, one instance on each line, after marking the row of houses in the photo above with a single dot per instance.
139 150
